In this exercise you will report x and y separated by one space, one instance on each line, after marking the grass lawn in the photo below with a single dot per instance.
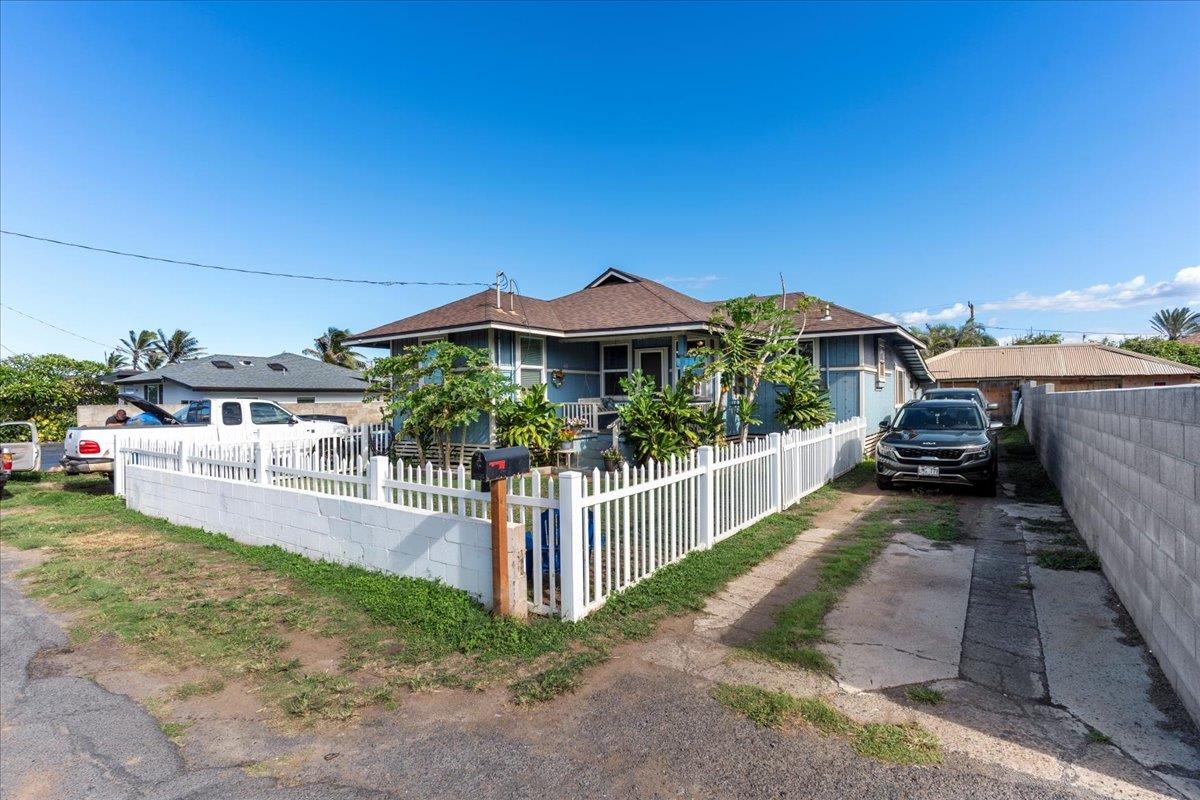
200 602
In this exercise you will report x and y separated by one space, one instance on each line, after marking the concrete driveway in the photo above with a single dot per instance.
1041 669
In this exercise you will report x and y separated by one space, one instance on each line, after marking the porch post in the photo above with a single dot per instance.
573 546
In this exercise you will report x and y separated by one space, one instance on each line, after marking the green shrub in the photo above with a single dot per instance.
532 421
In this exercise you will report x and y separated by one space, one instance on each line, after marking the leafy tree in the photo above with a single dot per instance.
531 420
47 388
942 337
138 347
115 360
753 333
1175 323
664 422
802 403
1182 352
331 348
1039 338
179 346
436 388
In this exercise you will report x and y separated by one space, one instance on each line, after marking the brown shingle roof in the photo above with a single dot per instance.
1193 339
613 305
1049 361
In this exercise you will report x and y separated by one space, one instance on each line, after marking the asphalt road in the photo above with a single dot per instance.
654 733
65 737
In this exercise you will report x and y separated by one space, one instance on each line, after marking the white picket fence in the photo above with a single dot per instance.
587 535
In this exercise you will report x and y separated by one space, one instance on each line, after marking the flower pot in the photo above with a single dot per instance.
612 464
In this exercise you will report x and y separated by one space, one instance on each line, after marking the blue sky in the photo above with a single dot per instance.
896 159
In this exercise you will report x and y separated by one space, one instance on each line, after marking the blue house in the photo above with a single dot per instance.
581 345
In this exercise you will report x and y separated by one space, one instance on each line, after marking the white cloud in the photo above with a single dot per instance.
691 281
1101 297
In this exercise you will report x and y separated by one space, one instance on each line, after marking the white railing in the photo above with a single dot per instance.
587 535
587 410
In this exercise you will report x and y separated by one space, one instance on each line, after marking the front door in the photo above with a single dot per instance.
653 363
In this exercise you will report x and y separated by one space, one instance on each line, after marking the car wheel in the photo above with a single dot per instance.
882 482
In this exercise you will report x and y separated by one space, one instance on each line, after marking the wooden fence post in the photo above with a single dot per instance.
704 498
118 468
573 542
775 470
377 470
260 463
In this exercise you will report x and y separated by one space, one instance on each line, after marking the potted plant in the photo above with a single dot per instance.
613 458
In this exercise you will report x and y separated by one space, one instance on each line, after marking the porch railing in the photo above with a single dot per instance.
588 410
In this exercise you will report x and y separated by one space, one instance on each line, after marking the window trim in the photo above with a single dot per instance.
520 365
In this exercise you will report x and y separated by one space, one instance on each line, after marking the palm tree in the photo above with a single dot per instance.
1175 323
138 346
155 359
331 348
179 346
114 361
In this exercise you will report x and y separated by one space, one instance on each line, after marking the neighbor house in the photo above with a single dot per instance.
999 371
582 344
284 378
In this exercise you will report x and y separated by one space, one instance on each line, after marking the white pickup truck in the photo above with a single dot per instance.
92 449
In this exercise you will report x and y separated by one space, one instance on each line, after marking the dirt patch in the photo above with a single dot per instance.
314 653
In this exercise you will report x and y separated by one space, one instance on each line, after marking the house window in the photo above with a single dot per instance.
880 364
533 362
306 399
614 364
152 392
901 381
806 349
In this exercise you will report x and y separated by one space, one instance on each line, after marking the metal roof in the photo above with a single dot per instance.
1082 360
252 372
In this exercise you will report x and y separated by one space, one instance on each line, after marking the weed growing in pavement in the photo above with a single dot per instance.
1096 737
1068 559
925 694
897 744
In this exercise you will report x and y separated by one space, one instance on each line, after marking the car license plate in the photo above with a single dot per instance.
931 472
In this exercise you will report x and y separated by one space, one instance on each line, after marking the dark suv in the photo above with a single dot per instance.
938 441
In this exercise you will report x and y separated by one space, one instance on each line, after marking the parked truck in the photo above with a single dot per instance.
93 449
19 449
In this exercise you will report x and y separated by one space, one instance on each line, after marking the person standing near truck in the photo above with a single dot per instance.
118 419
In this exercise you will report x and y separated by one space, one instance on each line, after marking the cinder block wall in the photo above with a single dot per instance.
377 536
1127 462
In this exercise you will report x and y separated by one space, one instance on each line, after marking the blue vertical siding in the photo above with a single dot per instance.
840 351
843 393
564 354
879 403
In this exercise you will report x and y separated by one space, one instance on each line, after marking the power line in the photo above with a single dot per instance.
242 270
51 325
1055 330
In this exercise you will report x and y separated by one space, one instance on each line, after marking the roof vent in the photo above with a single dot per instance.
826 317
247 362
275 365
221 364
